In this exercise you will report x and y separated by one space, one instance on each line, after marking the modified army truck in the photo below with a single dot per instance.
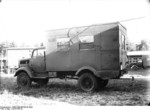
91 54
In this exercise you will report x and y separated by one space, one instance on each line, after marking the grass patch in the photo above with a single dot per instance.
118 92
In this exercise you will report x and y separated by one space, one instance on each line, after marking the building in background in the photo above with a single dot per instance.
3 61
15 54
9 61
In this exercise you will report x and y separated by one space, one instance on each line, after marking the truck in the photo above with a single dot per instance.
139 58
91 54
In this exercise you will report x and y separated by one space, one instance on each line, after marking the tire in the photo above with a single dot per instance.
23 80
41 82
87 82
102 83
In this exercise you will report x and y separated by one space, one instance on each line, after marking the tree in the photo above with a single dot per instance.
1 48
6 44
131 46
144 45
12 44
42 44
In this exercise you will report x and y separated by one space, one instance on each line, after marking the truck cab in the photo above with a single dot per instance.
91 54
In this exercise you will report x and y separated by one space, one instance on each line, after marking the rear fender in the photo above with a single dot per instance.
87 68
24 69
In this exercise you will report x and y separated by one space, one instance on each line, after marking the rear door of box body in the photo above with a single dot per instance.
107 46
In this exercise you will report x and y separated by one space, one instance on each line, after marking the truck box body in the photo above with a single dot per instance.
92 54
99 46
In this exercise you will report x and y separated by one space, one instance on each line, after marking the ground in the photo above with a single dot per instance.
124 91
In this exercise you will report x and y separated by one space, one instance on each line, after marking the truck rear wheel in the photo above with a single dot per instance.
23 80
87 82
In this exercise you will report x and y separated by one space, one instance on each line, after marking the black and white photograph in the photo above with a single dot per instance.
74 54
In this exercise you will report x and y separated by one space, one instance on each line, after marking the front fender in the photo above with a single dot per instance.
24 69
87 68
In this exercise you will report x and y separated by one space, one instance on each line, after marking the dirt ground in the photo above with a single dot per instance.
122 92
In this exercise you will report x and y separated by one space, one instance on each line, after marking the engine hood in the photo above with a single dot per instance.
24 61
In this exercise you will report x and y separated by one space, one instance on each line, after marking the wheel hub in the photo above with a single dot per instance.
87 83
23 81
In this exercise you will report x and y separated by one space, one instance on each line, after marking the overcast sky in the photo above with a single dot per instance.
27 20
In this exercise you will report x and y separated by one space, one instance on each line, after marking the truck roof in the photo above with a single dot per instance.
91 29
87 26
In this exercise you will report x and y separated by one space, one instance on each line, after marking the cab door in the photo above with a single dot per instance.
37 62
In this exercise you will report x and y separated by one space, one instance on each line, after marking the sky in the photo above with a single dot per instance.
26 21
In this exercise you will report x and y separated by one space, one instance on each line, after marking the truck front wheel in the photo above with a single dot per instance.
23 80
87 82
